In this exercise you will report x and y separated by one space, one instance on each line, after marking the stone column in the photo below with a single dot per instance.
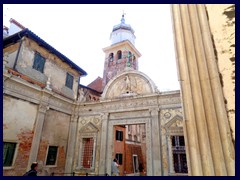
209 146
103 146
37 133
170 154
156 151
71 143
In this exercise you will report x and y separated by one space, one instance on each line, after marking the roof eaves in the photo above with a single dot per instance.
30 34
89 88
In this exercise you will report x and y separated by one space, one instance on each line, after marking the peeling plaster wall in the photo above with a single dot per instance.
18 116
55 133
18 126
12 53
54 68
222 26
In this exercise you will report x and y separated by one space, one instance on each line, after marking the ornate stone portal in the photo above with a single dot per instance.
129 98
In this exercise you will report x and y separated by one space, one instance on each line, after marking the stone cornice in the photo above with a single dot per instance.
132 104
19 88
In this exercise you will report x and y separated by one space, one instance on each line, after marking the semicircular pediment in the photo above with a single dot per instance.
129 83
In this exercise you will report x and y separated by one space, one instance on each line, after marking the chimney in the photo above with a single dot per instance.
15 27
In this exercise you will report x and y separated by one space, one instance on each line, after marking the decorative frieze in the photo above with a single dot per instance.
96 120
129 114
169 100
60 104
167 114
18 88
43 108
130 104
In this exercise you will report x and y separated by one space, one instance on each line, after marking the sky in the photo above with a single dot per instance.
81 31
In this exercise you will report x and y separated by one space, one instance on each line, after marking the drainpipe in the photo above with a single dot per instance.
15 63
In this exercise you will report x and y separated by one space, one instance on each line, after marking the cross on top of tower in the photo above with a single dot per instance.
123 13
123 20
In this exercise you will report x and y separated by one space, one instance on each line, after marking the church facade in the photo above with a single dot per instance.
51 122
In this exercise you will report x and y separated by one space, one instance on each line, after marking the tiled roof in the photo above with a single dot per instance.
26 32
96 84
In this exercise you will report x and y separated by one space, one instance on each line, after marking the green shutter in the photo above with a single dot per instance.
39 62
8 153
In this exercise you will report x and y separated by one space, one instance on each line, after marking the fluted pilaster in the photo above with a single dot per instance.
208 141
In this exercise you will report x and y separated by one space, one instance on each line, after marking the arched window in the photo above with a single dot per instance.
134 61
111 57
134 58
129 55
119 54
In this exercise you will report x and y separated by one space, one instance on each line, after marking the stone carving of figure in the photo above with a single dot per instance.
81 98
127 83
49 83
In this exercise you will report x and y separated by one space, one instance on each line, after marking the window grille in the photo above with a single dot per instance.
179 154
87 153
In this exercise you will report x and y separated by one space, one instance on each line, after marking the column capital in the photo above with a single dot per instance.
154 111
104 116
74 117
43 108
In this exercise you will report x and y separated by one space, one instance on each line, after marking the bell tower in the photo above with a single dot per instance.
122 53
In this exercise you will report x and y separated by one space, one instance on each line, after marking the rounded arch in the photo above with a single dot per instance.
129 83
119 54
111 57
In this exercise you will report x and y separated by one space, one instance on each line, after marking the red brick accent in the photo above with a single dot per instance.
21 162
96 84
17 23
26 78
131 149
60 162
119 147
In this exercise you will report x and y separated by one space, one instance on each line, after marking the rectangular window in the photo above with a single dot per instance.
119 158
87 153
39 62
52 155
8 153
69 81
181 141
119 135
179 154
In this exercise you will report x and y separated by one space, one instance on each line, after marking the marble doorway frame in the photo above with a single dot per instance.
110 142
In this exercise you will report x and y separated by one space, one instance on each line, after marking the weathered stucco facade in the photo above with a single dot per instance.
56 121
223 34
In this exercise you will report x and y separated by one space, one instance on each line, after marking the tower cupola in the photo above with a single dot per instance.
122 32
122 54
